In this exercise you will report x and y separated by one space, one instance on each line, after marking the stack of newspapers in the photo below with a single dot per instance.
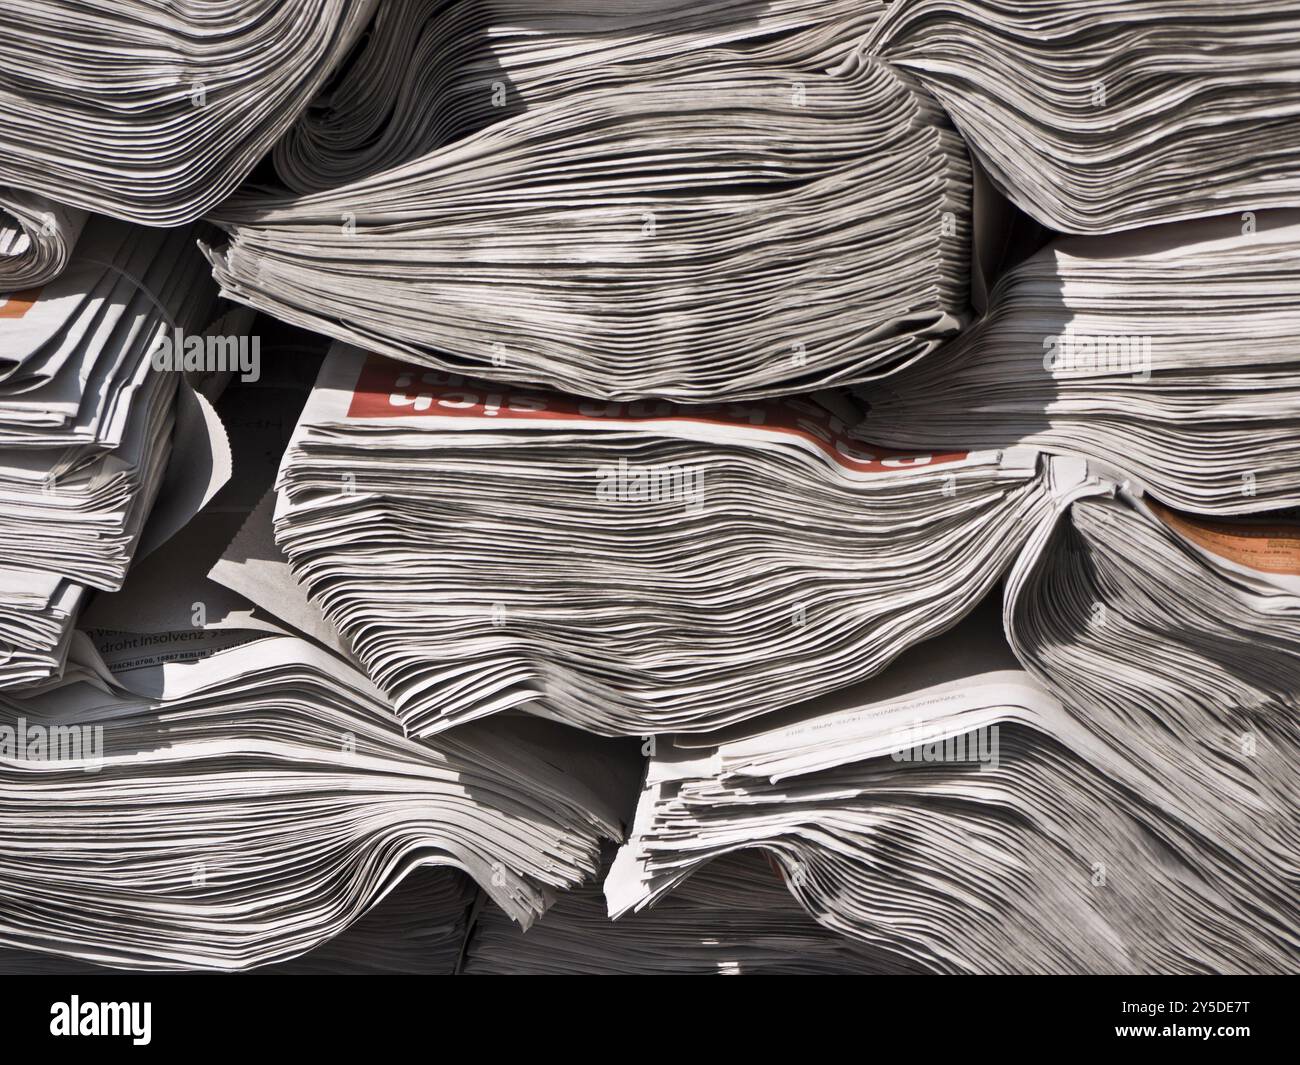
261 799
732 228
954 813
597 487
630 568
155 113
36 238
88 424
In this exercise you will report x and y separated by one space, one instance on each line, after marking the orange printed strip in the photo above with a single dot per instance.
1266 548
16 304
389 389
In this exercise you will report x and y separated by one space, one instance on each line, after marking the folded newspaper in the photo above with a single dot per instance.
428 72
260 800
727 229
1176 639
1097 116
733 918
418 929
1167 353
952 813
155 112
91 412
36 239
627 568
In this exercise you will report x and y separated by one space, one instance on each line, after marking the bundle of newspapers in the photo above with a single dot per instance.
735 918
155 113
93 402
1168 353
428 72
711 214
36 239
418 929
704 486
955 814
261 799
648 569
629 568
1097 117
